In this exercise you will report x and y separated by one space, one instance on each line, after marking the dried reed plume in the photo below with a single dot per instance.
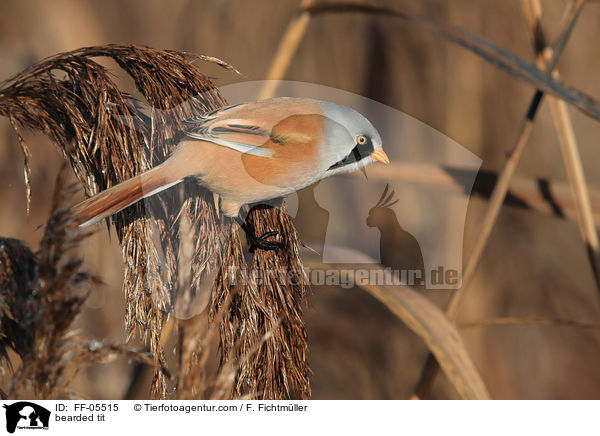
108 138
40 296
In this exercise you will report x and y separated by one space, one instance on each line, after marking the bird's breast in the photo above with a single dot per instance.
245 178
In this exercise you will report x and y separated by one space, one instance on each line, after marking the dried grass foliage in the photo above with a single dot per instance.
268 308
108 137
41 294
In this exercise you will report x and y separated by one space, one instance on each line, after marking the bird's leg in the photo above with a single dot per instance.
259 241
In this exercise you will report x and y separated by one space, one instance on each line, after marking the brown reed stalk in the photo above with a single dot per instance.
519 68
108 137
515 66
430 369
286 50
567 141
428 322
485 49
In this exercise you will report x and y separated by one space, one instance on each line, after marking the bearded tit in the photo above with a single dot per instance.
252 152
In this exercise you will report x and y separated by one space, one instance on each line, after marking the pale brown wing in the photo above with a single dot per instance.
237 134
248 127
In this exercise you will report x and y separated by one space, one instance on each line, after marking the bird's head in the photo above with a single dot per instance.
350 141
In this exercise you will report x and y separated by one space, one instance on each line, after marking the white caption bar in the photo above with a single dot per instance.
299 417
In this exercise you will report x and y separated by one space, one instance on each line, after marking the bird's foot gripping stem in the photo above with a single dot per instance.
261 241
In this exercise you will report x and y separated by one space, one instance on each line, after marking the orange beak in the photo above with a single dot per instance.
380 156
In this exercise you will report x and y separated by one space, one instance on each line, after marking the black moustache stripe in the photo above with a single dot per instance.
358 153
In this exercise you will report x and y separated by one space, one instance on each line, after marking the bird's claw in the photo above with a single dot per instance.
262 242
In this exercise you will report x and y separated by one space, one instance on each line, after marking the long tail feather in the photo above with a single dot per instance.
118 197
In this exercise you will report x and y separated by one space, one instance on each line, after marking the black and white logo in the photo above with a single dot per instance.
26 415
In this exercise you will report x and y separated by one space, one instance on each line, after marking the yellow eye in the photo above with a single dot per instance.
362 140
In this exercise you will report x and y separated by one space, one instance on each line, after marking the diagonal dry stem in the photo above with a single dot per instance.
568 143
497 199
478 45
285 52
427 321
503 183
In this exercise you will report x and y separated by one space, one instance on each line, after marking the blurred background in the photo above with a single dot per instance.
535 264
